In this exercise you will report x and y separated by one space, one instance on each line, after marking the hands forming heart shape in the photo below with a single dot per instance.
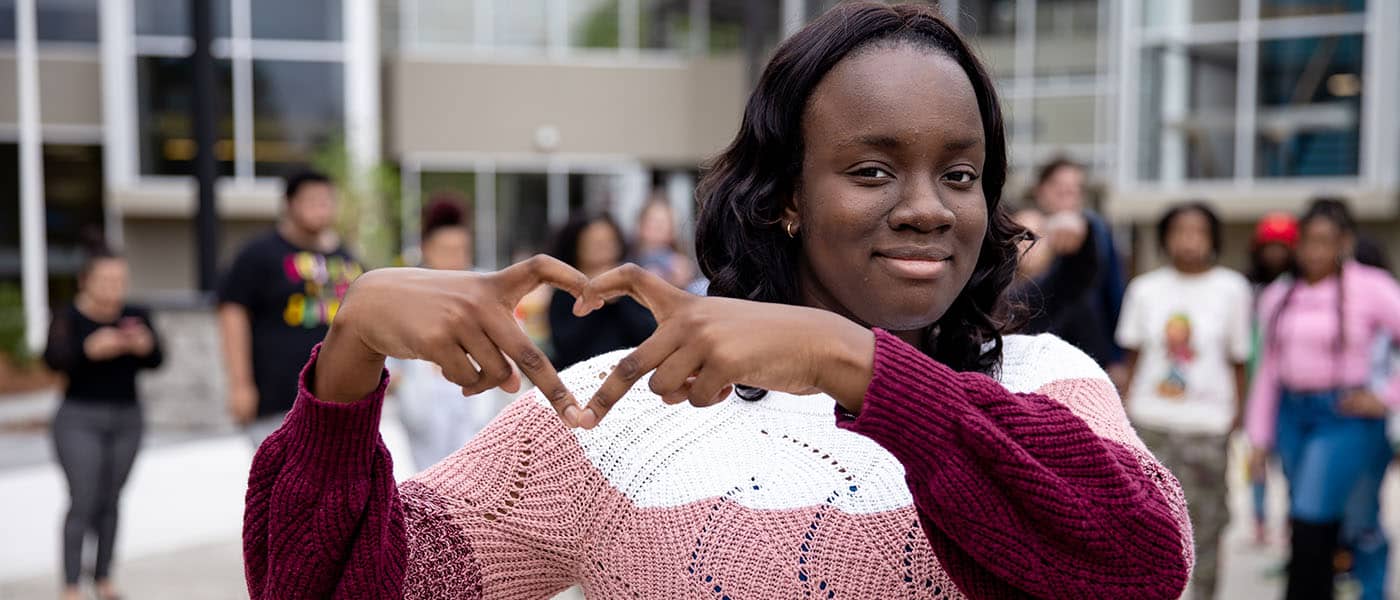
702 346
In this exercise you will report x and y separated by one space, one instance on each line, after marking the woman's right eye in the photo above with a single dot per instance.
872 172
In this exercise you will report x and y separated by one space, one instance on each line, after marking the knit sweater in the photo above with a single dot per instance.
946 485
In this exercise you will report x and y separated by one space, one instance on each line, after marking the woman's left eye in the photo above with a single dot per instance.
963 177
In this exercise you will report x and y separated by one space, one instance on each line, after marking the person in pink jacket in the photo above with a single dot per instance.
1312 402
841 418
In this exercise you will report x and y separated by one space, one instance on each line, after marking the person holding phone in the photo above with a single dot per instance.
100 343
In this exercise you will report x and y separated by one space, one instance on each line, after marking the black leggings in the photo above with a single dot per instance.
96 444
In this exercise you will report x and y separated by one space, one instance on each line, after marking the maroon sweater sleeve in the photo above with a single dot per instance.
1018 495
323 518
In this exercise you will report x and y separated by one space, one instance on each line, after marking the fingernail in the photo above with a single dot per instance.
589 420
571 416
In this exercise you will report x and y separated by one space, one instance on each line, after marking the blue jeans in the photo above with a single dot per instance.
1334 464
1362 531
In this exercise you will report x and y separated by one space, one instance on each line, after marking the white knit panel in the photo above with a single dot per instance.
783 452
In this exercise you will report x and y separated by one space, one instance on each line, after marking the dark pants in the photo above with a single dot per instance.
96 444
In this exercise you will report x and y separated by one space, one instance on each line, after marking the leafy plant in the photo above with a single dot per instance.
369 204
12 342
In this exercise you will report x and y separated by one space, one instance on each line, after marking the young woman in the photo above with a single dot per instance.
1311 401
1186 330
593 244
99 343
889 442
434 413
656 248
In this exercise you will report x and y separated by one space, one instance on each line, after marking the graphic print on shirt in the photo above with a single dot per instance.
1179 357
324 281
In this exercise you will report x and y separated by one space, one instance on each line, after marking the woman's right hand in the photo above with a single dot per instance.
463 322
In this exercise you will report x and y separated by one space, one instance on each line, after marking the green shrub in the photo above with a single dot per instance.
12 345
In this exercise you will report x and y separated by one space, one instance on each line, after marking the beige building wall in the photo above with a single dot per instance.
659 112
70 88
162 252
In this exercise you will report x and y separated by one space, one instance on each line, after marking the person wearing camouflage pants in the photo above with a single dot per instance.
1199 462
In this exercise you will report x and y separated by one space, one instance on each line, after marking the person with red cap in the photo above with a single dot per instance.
1271 253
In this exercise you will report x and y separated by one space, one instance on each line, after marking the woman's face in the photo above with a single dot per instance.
448 248
598 248
889 201
106 281
1320 246
655 229
1188 240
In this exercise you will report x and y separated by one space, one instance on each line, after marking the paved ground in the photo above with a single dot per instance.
183 508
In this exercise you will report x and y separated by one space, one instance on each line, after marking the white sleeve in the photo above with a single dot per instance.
1130 334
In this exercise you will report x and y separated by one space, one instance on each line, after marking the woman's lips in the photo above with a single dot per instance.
914 267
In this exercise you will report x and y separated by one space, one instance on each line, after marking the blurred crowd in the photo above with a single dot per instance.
1297 354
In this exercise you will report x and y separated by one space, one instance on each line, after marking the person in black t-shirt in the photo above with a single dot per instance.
99 343
593 245
277 301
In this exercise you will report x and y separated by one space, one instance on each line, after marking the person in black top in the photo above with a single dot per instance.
277 300
593 245
99 343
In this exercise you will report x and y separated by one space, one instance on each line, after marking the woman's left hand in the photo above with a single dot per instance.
704 345
1364 404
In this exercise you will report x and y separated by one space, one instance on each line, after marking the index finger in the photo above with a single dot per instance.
534 365
528 274
653 292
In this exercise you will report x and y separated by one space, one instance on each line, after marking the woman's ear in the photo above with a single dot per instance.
790 214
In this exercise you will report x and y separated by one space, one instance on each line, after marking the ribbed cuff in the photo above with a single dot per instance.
902 381
334 438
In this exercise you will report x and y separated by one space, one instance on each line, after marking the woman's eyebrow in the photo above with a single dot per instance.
958 145
875 140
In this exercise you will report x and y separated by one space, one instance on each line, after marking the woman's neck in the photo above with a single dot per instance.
100 312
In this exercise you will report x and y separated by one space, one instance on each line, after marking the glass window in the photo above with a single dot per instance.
172 17
9 210
987 17
1303 8
1069 55
164 100
7 19
298 109
297 19
1166 13
445 22
66 20
815 8
727 24
665 25
1064 120
73 193
594 24
594 193
522 216
1309 115
520 23
1066 17
1187 112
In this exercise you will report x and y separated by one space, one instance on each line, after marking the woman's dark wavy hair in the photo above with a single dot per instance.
741 245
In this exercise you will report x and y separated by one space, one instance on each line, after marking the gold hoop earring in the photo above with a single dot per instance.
789 228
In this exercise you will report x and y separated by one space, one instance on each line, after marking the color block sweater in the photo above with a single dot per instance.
946 485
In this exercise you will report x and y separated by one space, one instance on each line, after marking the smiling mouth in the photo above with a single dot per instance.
915 266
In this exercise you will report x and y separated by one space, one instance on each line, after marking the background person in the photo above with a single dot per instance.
99 344
277 301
